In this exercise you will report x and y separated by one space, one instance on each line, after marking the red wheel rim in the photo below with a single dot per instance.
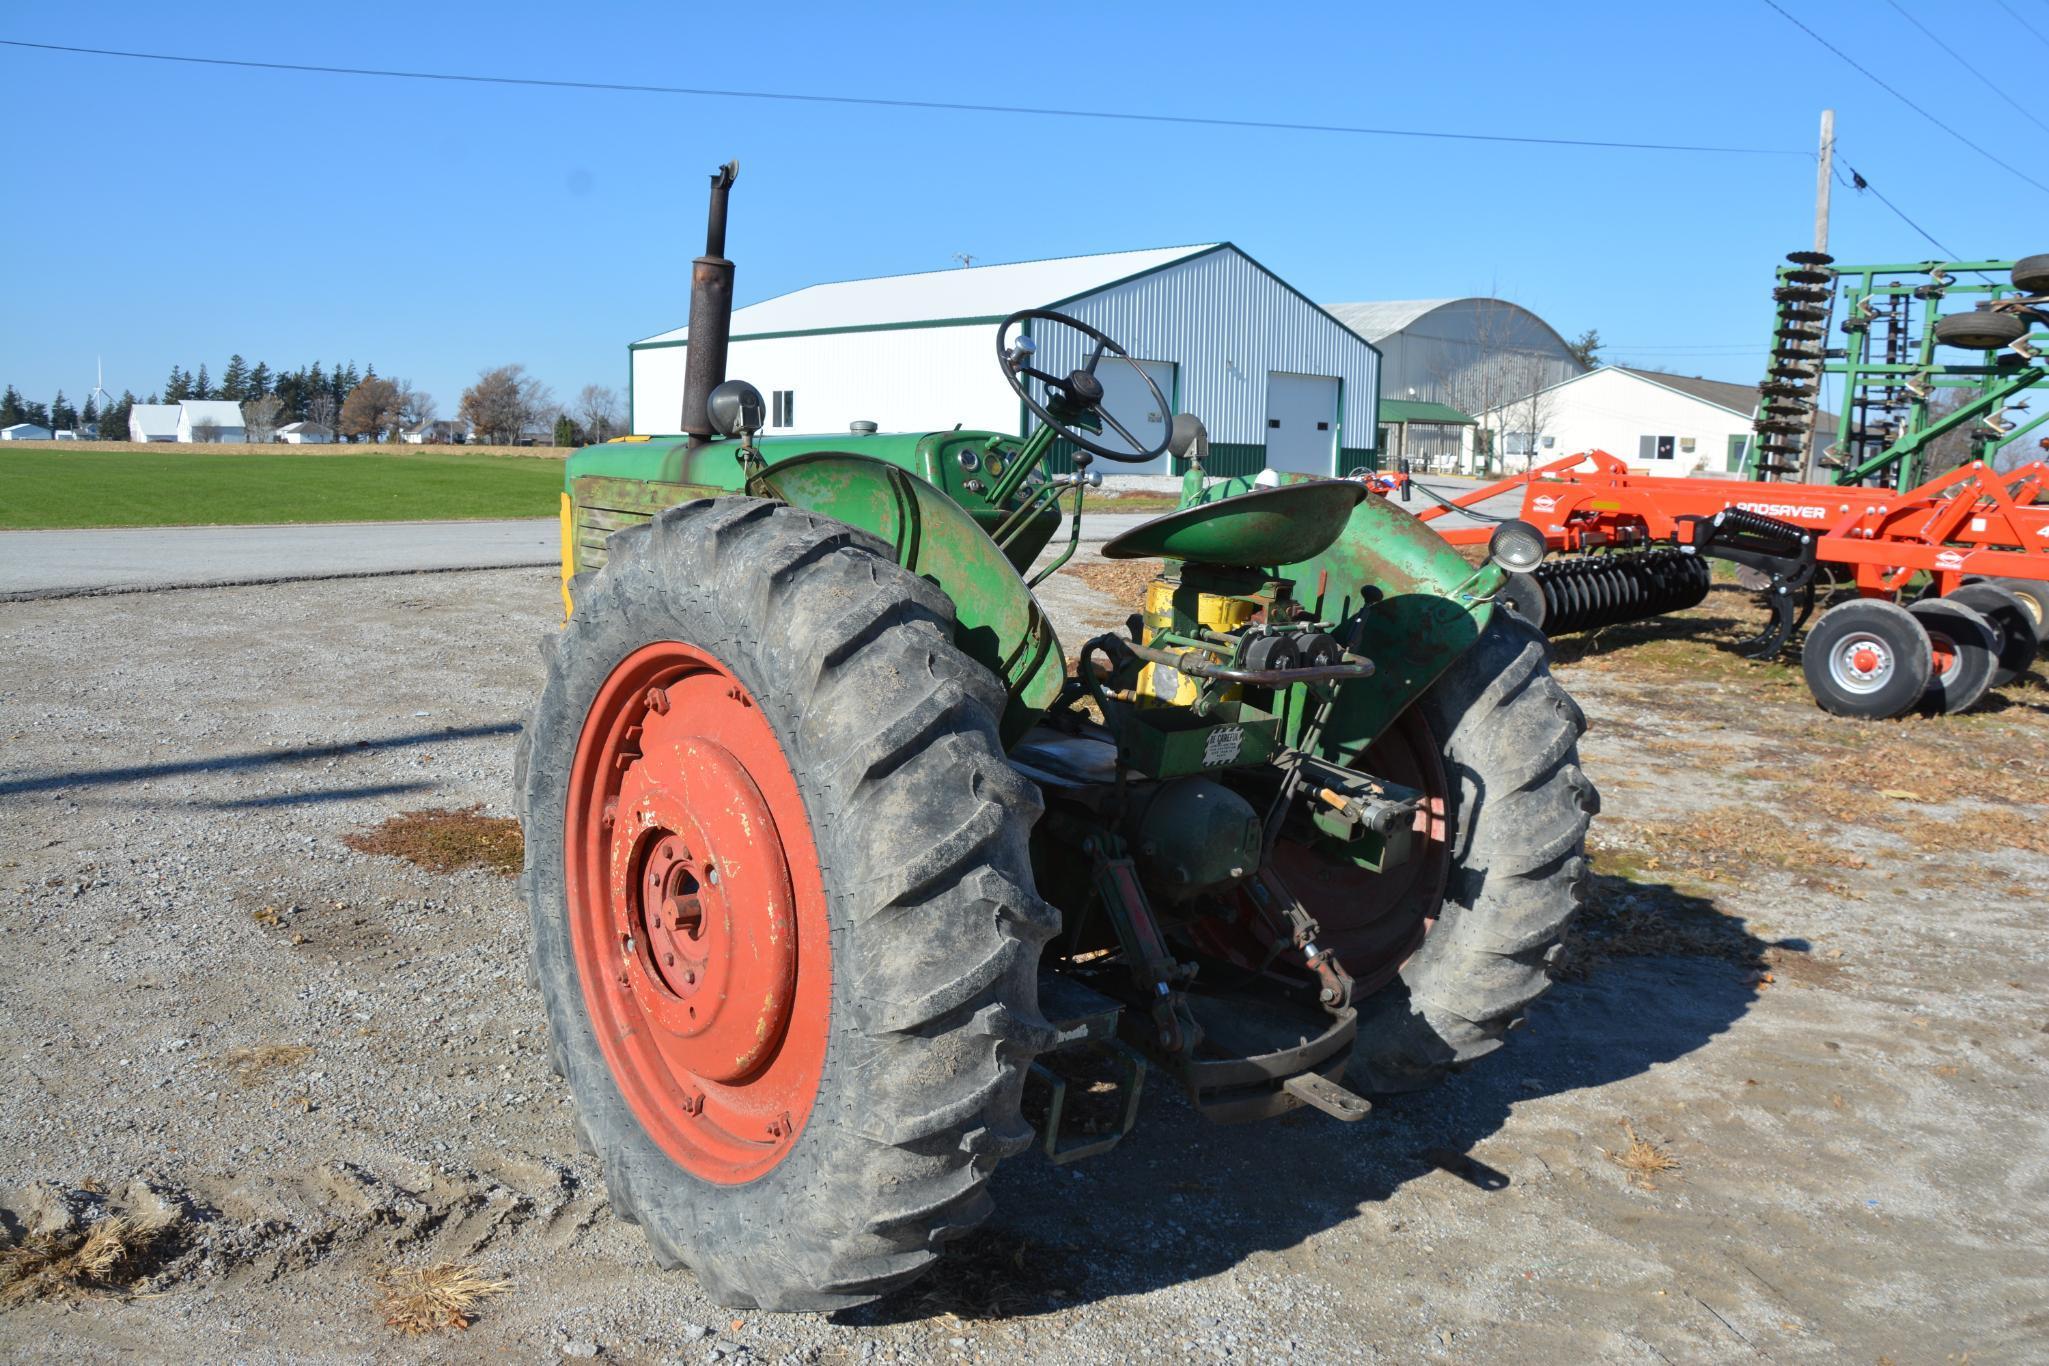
697 913
1372 921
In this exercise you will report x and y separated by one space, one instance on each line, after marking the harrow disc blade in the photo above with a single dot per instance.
1588 592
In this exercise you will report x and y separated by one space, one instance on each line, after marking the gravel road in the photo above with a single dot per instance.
322 1062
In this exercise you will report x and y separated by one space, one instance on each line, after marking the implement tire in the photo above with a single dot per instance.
753 691
1516 817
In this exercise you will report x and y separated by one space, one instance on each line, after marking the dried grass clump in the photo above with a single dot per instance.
249 1066
107 1255
1643 1159
444 841
443 1297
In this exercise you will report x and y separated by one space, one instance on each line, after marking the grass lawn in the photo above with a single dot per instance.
49 486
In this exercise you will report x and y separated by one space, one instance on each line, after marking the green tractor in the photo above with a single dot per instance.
837 860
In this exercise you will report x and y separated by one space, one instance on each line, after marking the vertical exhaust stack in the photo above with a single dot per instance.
711 313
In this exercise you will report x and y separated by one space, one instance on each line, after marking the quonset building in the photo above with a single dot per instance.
1277 380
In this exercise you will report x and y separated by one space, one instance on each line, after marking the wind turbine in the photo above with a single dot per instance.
99 396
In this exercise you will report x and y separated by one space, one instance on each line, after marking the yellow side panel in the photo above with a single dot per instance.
568 554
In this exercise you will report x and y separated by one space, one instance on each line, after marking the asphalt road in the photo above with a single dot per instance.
126 559
36 564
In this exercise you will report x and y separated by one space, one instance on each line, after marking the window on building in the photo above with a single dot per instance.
1517 443
782 408
1656 447
1739 447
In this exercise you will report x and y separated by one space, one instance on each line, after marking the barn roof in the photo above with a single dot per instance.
1384 317
974 292
155 419
219 411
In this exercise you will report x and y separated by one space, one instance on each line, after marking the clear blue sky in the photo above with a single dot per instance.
166 213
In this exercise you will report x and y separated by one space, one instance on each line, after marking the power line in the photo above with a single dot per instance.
2010 169
1861 185
2025 111
876 102
2023 23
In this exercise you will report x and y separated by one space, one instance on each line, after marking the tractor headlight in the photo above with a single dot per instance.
969 461
1516 546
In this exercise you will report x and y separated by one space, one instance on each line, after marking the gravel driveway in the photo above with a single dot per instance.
319 1062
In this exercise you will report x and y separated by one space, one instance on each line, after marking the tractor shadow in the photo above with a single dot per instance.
1652 973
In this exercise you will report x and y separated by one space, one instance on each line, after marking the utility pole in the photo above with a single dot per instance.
1824 170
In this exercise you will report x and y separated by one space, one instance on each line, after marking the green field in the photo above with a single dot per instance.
48 486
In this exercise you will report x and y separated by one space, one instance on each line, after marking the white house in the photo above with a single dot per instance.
153 422
444 432
1659 423
304 434
1277 380
24 431
211 419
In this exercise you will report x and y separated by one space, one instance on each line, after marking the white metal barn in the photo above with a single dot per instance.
1658 423
25 431
153 422
1277 380
211 419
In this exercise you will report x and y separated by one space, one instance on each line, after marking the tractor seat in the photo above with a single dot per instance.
1058 759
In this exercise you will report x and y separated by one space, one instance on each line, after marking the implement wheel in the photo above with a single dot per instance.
1963 652
1980 330
1463 934
783 915
2033 595
2013 622
1867 657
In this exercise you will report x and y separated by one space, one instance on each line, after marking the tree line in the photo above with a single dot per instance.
506 405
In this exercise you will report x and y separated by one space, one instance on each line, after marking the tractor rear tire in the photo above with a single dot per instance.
873 763
1980 330
1868 658
1963 655
2013 622
1516 813
1524 596
2031 274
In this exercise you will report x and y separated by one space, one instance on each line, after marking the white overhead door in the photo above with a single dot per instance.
1126 398
1301 422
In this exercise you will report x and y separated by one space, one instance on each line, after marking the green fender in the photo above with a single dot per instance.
1425 607
997 623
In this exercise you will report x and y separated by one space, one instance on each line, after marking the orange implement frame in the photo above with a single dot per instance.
1971 521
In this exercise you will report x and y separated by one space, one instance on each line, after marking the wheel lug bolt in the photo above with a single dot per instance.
669 960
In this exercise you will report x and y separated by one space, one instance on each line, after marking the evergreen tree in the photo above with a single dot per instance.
153 399
259 380
177 387
12 409
200 387
36 413
89 417
114 417
235 379
63 417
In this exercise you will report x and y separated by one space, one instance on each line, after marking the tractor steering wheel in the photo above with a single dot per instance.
1080 392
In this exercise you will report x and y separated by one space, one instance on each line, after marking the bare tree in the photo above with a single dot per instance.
1495 367
597 411
507 404
323 411
259 417
1520 422
206 431
416 407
